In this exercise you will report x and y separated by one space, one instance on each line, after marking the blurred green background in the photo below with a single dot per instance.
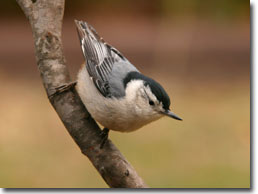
198 50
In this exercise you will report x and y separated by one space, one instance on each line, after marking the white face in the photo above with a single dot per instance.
151 100
144 101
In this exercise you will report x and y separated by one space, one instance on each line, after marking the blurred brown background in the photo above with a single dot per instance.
198 50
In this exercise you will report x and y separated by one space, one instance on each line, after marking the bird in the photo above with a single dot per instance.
115 93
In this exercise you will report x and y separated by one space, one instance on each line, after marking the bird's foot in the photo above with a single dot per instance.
104 136
62 88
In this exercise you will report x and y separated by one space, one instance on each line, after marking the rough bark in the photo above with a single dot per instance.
45 17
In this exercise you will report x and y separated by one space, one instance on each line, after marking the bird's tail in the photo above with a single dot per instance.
93 46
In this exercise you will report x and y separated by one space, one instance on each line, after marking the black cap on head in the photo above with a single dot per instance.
155 87
159 92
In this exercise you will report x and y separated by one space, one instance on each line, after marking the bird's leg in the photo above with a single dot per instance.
62 88
104 136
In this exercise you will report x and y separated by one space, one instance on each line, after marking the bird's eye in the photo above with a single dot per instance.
151 102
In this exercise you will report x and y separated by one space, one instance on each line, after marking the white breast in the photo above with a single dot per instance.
122 114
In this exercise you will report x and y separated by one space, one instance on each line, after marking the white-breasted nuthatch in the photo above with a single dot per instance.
114 92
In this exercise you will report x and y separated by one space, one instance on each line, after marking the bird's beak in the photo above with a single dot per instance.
171 114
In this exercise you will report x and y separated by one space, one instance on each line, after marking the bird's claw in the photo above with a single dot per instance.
62 88
104 136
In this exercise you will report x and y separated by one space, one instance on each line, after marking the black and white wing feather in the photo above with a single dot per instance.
100 57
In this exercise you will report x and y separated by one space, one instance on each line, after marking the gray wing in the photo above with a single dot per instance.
100 58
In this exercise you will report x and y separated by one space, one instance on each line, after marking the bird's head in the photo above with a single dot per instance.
151 98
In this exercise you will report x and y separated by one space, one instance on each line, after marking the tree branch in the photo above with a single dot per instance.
26 6
46 17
